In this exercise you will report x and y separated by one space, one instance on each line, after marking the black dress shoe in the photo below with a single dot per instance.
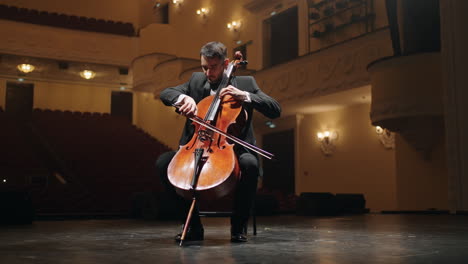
193 234
238 238
238 233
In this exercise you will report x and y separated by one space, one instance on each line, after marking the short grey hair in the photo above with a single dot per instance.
214 49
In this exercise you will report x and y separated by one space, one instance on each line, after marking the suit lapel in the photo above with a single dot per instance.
206 89
199 87
234 82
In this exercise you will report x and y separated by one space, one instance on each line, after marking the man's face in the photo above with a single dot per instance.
213 68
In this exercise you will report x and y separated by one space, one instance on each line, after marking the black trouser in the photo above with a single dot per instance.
243 196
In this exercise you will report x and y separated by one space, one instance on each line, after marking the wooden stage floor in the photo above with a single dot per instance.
369 238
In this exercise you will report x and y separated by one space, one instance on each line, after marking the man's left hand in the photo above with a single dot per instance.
234 92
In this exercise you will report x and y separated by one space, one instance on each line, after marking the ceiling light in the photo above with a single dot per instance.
25 68
87 74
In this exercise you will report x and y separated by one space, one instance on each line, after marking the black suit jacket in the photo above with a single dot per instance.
197 89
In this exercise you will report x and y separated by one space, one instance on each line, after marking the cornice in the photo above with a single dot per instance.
258 6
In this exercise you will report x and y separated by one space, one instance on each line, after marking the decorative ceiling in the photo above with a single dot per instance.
64 71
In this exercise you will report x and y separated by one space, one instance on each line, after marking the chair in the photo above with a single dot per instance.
218 210
205 213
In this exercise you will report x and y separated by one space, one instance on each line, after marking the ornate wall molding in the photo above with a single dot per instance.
335 69
395 109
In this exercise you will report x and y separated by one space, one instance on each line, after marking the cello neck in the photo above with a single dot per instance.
211 114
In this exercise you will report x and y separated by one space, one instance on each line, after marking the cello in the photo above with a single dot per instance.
207 166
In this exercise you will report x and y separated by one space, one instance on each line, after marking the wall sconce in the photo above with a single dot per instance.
87 74
203 12
234 26
177 2
386 137
327 141
25 68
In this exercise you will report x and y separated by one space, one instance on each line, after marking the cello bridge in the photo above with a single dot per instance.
204 135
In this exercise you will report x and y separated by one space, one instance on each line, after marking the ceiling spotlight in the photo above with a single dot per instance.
25 68
87 74
270 124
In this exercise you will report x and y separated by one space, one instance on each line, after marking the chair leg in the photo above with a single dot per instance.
254 220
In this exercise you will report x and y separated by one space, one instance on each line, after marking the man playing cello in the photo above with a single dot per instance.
243 89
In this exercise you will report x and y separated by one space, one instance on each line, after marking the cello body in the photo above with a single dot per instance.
218 170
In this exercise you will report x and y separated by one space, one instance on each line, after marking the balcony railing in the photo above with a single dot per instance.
334 21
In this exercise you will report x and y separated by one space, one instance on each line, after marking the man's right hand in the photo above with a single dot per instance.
188 107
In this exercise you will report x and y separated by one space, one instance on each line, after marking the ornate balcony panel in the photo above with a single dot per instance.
154 72
335 69
407 98
67 45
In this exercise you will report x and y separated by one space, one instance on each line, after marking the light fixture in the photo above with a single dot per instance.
25 68
177 2
234 25
327 141
386 137
203 12
270 124
87 74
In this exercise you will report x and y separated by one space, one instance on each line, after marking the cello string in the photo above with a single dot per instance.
256 149
213 109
